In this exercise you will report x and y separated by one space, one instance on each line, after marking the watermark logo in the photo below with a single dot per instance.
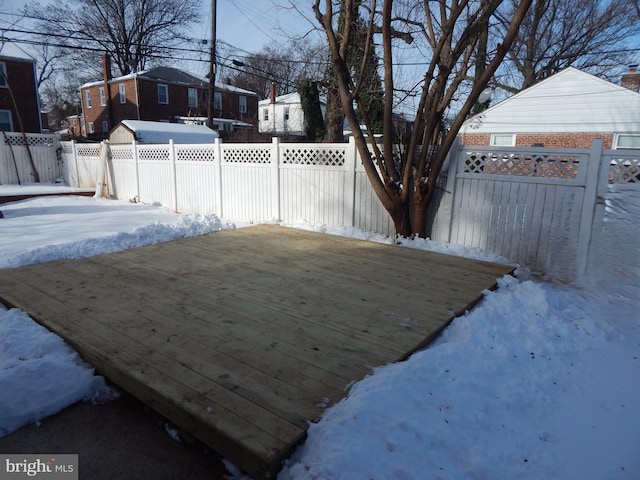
49 467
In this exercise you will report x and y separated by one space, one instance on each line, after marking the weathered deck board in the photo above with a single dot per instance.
239 337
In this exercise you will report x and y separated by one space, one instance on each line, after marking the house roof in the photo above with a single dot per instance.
173 76
14 52
162 132
569 101
286 99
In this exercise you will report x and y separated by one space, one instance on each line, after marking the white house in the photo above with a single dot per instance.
160 132
567 110
283 115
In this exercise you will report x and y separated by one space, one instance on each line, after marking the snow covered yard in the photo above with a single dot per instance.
538 381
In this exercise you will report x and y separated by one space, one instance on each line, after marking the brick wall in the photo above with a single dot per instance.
21 79
550 140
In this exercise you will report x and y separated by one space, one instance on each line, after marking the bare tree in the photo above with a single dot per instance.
134 32
591 35
450 29
282 65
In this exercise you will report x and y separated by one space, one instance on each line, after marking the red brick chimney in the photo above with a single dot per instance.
106 76
106 67
272 93
631 80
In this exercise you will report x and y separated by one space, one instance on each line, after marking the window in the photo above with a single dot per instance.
122 93
92 129
265 114
286 114
503 139
217 100
6 121
87 96
626 140
105 126
242 104
163 94
193 97
3 74
103 100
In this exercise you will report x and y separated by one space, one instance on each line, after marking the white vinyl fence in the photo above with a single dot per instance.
535 206
15 166
292 183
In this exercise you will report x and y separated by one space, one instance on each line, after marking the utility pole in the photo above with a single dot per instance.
212 66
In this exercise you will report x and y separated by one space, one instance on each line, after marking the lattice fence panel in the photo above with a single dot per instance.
246 155
624 170
328 157
88 150
195 154
121 152
159 153
523 165
17 139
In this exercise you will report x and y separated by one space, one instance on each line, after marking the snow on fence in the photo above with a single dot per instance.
539 207
15 166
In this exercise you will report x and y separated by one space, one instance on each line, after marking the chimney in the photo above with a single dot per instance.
106 76
631 80
272 93
106 67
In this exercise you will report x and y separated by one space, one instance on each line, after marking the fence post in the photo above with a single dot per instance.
446 208
218 165
588 208
275 178
75 165
134 146
174 181
350 183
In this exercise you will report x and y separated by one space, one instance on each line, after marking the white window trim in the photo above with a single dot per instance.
242 104
91 128
192 97
166 88
616 140
87 98
494 135
122 92
103 96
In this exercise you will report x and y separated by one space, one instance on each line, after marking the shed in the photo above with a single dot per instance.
567 110
160 132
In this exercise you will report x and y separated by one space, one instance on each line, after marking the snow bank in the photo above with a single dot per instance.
40 374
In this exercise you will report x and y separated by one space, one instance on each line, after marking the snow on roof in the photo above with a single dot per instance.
287 99
11 50
173 76
162 132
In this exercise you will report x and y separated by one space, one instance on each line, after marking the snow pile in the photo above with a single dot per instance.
76 227
40 374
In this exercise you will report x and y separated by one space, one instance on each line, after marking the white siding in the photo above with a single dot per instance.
570 101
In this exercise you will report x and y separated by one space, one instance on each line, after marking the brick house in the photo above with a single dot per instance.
162 94
567 110
18 72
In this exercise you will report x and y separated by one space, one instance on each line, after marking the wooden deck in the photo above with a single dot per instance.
243 336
